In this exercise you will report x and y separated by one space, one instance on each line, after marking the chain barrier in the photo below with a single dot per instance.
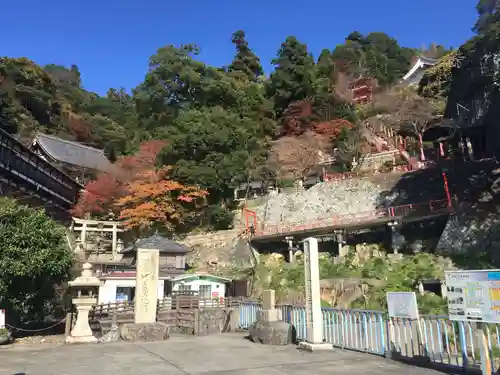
35 330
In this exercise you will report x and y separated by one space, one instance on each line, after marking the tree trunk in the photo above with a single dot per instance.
421 146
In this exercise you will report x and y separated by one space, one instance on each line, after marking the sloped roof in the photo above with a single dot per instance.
415 74
73 152
157 242
199 274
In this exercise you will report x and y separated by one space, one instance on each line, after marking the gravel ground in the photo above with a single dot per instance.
322 200
49 339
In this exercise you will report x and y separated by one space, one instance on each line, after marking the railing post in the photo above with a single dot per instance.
463 344
391 340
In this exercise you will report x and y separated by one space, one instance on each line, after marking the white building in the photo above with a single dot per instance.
206 286
417 71
119 286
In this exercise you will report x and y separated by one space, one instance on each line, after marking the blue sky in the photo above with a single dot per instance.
111 40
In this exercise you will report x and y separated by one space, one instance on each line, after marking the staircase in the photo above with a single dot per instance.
385 138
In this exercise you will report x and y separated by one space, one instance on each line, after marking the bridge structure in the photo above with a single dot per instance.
34 181
282 236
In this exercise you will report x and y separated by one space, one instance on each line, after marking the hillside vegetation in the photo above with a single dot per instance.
220 124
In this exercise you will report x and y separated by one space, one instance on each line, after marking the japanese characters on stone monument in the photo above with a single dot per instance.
314 316
268 312
146 287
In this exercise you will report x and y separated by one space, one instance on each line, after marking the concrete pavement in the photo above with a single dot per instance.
228 354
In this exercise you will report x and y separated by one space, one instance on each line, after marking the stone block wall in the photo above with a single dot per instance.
213 321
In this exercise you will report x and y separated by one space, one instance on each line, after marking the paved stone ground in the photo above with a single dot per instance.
225 355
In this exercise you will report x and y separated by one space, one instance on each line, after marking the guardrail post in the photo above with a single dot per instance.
391 340
463 344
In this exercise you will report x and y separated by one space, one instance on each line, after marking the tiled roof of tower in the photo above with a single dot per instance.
73 152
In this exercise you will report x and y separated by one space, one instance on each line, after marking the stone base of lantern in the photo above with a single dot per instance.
310 347
81 340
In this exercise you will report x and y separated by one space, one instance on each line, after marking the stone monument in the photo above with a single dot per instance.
146 285
85 286
314 317
268 329
145 326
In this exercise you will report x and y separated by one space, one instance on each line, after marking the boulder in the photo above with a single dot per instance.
271 333
112 335
145 332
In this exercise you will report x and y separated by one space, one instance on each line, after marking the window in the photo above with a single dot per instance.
184 287
170 261
125 294
205 292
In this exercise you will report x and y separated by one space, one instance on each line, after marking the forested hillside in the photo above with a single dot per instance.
218 123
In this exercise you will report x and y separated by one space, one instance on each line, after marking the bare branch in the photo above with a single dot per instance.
298 156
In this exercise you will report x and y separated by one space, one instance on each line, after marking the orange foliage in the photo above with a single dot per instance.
99 194
143 159
152 199
332 128
294 116
78 127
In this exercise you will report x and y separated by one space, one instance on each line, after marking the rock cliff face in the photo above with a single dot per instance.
326 199
472 234
215 252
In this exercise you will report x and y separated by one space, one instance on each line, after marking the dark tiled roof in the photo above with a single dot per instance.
73 152
155 242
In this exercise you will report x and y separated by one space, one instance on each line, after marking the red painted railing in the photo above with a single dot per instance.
407 210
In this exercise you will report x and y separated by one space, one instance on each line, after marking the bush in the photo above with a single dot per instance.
286 182
34 258
220 218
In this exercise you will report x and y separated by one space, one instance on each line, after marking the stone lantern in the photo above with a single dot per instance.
84 290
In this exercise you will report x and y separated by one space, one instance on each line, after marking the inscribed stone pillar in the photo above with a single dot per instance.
146 285
268 312
314 317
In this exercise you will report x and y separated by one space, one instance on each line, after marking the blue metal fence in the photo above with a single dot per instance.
434 337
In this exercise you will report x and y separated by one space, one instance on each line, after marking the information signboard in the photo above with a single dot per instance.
402 305
474 295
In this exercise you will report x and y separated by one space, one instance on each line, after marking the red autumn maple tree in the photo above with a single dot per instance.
332 128
100 194
152 199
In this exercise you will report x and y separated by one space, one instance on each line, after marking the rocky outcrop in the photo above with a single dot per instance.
321 201
215 251
342 292
271 333
467 233
145 332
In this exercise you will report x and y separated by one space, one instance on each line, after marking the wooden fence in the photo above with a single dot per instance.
180 311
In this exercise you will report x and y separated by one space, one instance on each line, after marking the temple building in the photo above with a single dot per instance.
75 159
362 90
420 65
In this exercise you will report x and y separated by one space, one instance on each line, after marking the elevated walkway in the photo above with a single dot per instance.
408 213
25 174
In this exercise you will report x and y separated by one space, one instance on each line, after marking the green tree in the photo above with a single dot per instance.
213 148
485 10
294 76
375 55
325 72
246 63
34 258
